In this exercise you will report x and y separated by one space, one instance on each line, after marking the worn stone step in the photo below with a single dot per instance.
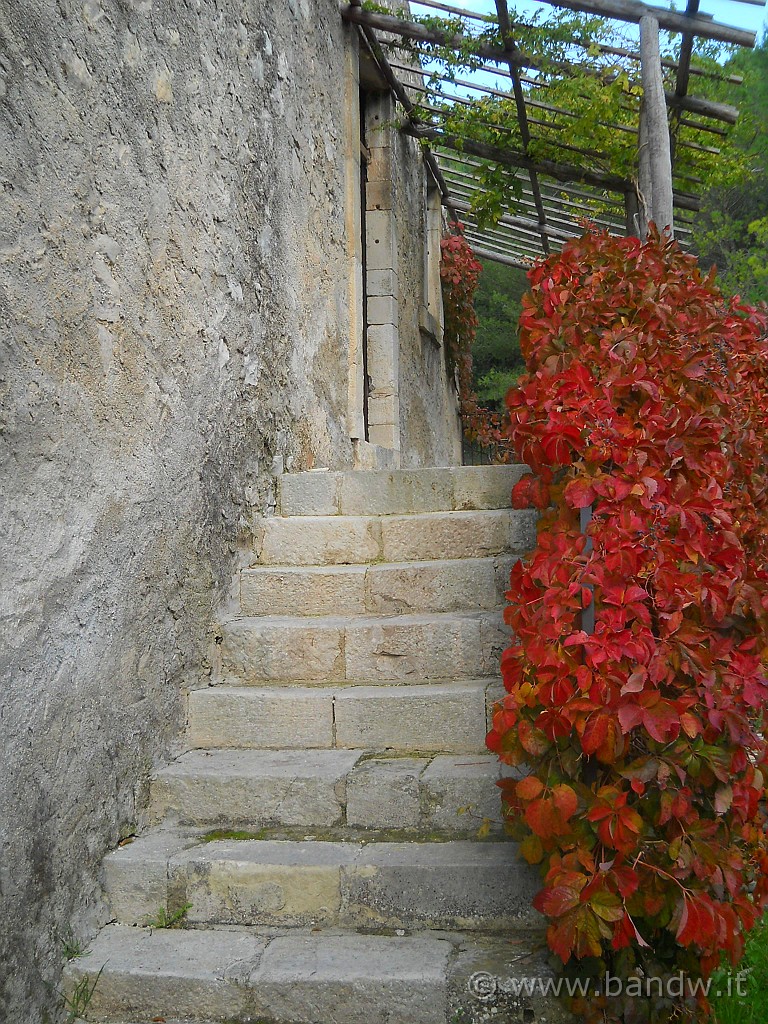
342 540
397 648
251 789
238 976
458 884
392 588
350 978
441 717
386 492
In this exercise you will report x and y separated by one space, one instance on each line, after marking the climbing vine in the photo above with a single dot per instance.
643 798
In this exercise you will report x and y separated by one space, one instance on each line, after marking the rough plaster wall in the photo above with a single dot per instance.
172 316
429 424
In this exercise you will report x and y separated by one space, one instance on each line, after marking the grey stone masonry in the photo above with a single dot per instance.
332 840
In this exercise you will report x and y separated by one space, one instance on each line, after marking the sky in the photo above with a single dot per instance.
729 12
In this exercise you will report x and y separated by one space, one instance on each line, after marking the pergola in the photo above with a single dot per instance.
555 194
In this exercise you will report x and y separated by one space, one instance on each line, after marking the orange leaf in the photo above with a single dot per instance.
529 788
565 801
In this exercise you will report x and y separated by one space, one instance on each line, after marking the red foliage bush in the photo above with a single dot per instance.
647 395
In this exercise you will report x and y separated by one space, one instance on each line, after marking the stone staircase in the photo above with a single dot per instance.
320 837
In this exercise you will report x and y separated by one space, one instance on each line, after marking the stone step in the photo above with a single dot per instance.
458 884
343 540
243 977
398 648
390 588
252 789
387 492
445 717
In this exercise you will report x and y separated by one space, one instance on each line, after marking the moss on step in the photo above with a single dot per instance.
347 834
218 834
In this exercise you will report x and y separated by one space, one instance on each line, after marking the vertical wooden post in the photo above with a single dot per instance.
655 159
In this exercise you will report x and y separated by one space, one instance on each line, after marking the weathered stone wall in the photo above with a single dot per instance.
429 412
174 303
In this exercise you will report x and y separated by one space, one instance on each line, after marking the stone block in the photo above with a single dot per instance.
378 195
445 535
283 648
318 540
400 491
383 363
331 590
311 493
485 486
385 792
491 979
162 973
263 882
432 586
458 793
445 717
253 788
382 282
382 309
136 876
386 434
457 884
292 717
416 648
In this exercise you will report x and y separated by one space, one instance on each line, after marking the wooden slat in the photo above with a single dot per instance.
561 172
495 257
557 216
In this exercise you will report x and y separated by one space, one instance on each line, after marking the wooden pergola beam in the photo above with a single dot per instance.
420 33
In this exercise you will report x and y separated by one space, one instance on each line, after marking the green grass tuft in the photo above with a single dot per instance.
750 978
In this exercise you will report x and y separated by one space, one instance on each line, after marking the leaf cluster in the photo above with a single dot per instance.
646 399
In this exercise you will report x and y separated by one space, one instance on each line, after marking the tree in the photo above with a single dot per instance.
731 230
497 362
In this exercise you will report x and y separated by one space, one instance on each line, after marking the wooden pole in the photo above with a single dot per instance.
655 160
